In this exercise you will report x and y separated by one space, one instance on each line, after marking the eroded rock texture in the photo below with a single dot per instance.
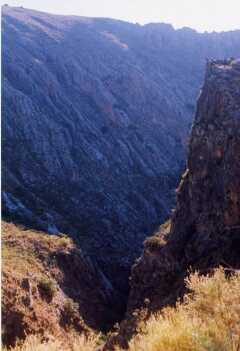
95 120
205 228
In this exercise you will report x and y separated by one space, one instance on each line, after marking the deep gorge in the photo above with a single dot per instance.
96 119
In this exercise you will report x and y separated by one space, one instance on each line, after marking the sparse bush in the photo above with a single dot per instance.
154 242
70 310
47 288
207 320
158 240
63 242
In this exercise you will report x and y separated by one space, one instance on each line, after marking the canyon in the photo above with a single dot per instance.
43 273
96 117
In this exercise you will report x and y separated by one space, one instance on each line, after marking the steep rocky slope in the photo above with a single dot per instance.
49 287
95 118
205 229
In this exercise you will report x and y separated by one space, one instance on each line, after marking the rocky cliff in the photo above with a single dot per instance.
95 120
204 231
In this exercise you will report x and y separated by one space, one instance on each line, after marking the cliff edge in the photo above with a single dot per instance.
204 231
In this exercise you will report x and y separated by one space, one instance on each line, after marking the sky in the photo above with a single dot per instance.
202 15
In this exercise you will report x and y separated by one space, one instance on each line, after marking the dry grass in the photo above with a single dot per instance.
24 250
154 242
15 259
45 240
158 240
78 343
207 320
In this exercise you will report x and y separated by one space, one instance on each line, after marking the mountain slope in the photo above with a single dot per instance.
95 120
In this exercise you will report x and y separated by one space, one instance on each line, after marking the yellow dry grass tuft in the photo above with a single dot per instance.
207 320
76 343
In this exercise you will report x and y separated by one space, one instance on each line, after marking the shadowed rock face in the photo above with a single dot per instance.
95 118
205 228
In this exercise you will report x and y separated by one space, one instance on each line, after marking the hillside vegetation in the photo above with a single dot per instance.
206 320
49 289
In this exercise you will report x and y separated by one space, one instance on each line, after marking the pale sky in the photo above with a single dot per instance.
202 15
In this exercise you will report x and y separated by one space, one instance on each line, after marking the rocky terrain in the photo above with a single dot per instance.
50 288
96 114
204 230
